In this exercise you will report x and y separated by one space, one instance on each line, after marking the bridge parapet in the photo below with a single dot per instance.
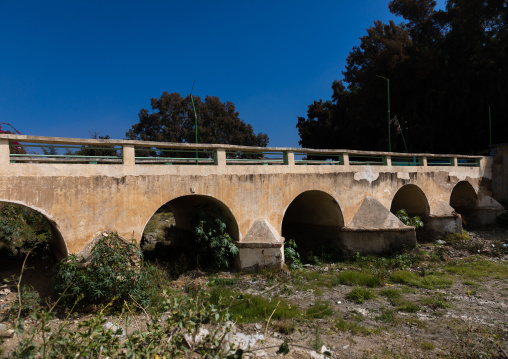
127 152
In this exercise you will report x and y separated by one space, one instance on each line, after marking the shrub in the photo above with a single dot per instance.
409 221
356 278
114 274
30 301
291 256
217 249
360 295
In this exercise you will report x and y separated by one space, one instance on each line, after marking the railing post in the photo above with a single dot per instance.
128 154
424 161
345 159
4 153
454 161
388 160
289 158
219 157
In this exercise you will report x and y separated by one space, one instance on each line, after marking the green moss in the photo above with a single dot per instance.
427 282
360 295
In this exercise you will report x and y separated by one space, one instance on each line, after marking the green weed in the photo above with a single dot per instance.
357 329
477 268
386 315
354 278
360 295
390 293
319 310
427 282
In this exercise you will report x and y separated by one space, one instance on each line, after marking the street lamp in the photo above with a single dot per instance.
389 136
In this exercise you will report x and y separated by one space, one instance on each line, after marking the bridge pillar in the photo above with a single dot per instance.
4 152
289 158
128 153
220 157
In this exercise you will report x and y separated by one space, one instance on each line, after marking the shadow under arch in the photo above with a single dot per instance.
411 198
56 243
314 218
464 200
179 237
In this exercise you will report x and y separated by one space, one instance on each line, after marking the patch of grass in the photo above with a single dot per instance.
246 308
357 329
425 345
436 302
319 310
354 278
478 268
390 293
470 283
284 326
386 315
408 307
222 282
360 295
427 282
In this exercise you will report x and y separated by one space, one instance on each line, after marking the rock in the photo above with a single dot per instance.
193 340
314 355
3 327
258 327
245 342
439 241
114 328
8 333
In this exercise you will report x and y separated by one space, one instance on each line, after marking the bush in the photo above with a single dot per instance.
409 221
218 249
30 302
291 256
114 274
360 295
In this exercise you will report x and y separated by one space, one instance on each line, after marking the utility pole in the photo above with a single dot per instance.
388 91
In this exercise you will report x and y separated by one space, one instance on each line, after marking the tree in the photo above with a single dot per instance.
14 146
172 120
445 69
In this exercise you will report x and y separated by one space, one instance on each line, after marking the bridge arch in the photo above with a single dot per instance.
57 242
179 237
463 196
314 218
411 198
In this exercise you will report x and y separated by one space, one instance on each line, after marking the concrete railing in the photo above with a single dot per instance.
129 153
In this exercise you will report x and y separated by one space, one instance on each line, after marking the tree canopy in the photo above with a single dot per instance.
172 120
445 69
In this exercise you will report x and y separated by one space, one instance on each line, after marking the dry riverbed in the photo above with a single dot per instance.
448 298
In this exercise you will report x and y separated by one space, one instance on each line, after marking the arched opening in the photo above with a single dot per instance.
26 231
313 220
169 235
464 201
412 199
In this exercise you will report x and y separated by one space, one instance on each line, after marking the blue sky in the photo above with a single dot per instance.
73 66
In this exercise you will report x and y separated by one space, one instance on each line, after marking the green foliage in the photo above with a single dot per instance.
218 122
23 227
409 221
161 337
402 260
319 310
247 308
30 302
355 278
451 56
217 249
390 294
427 282
114 274
386 315
291 256
476 268
344 325
360 295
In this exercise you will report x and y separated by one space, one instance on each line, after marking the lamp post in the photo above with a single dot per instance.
388 90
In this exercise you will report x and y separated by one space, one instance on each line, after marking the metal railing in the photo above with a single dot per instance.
36 149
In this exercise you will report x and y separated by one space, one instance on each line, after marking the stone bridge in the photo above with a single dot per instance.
340 198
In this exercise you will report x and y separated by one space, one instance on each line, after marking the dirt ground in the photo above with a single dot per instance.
466 318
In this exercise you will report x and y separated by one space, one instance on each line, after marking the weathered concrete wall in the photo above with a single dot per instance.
81 200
